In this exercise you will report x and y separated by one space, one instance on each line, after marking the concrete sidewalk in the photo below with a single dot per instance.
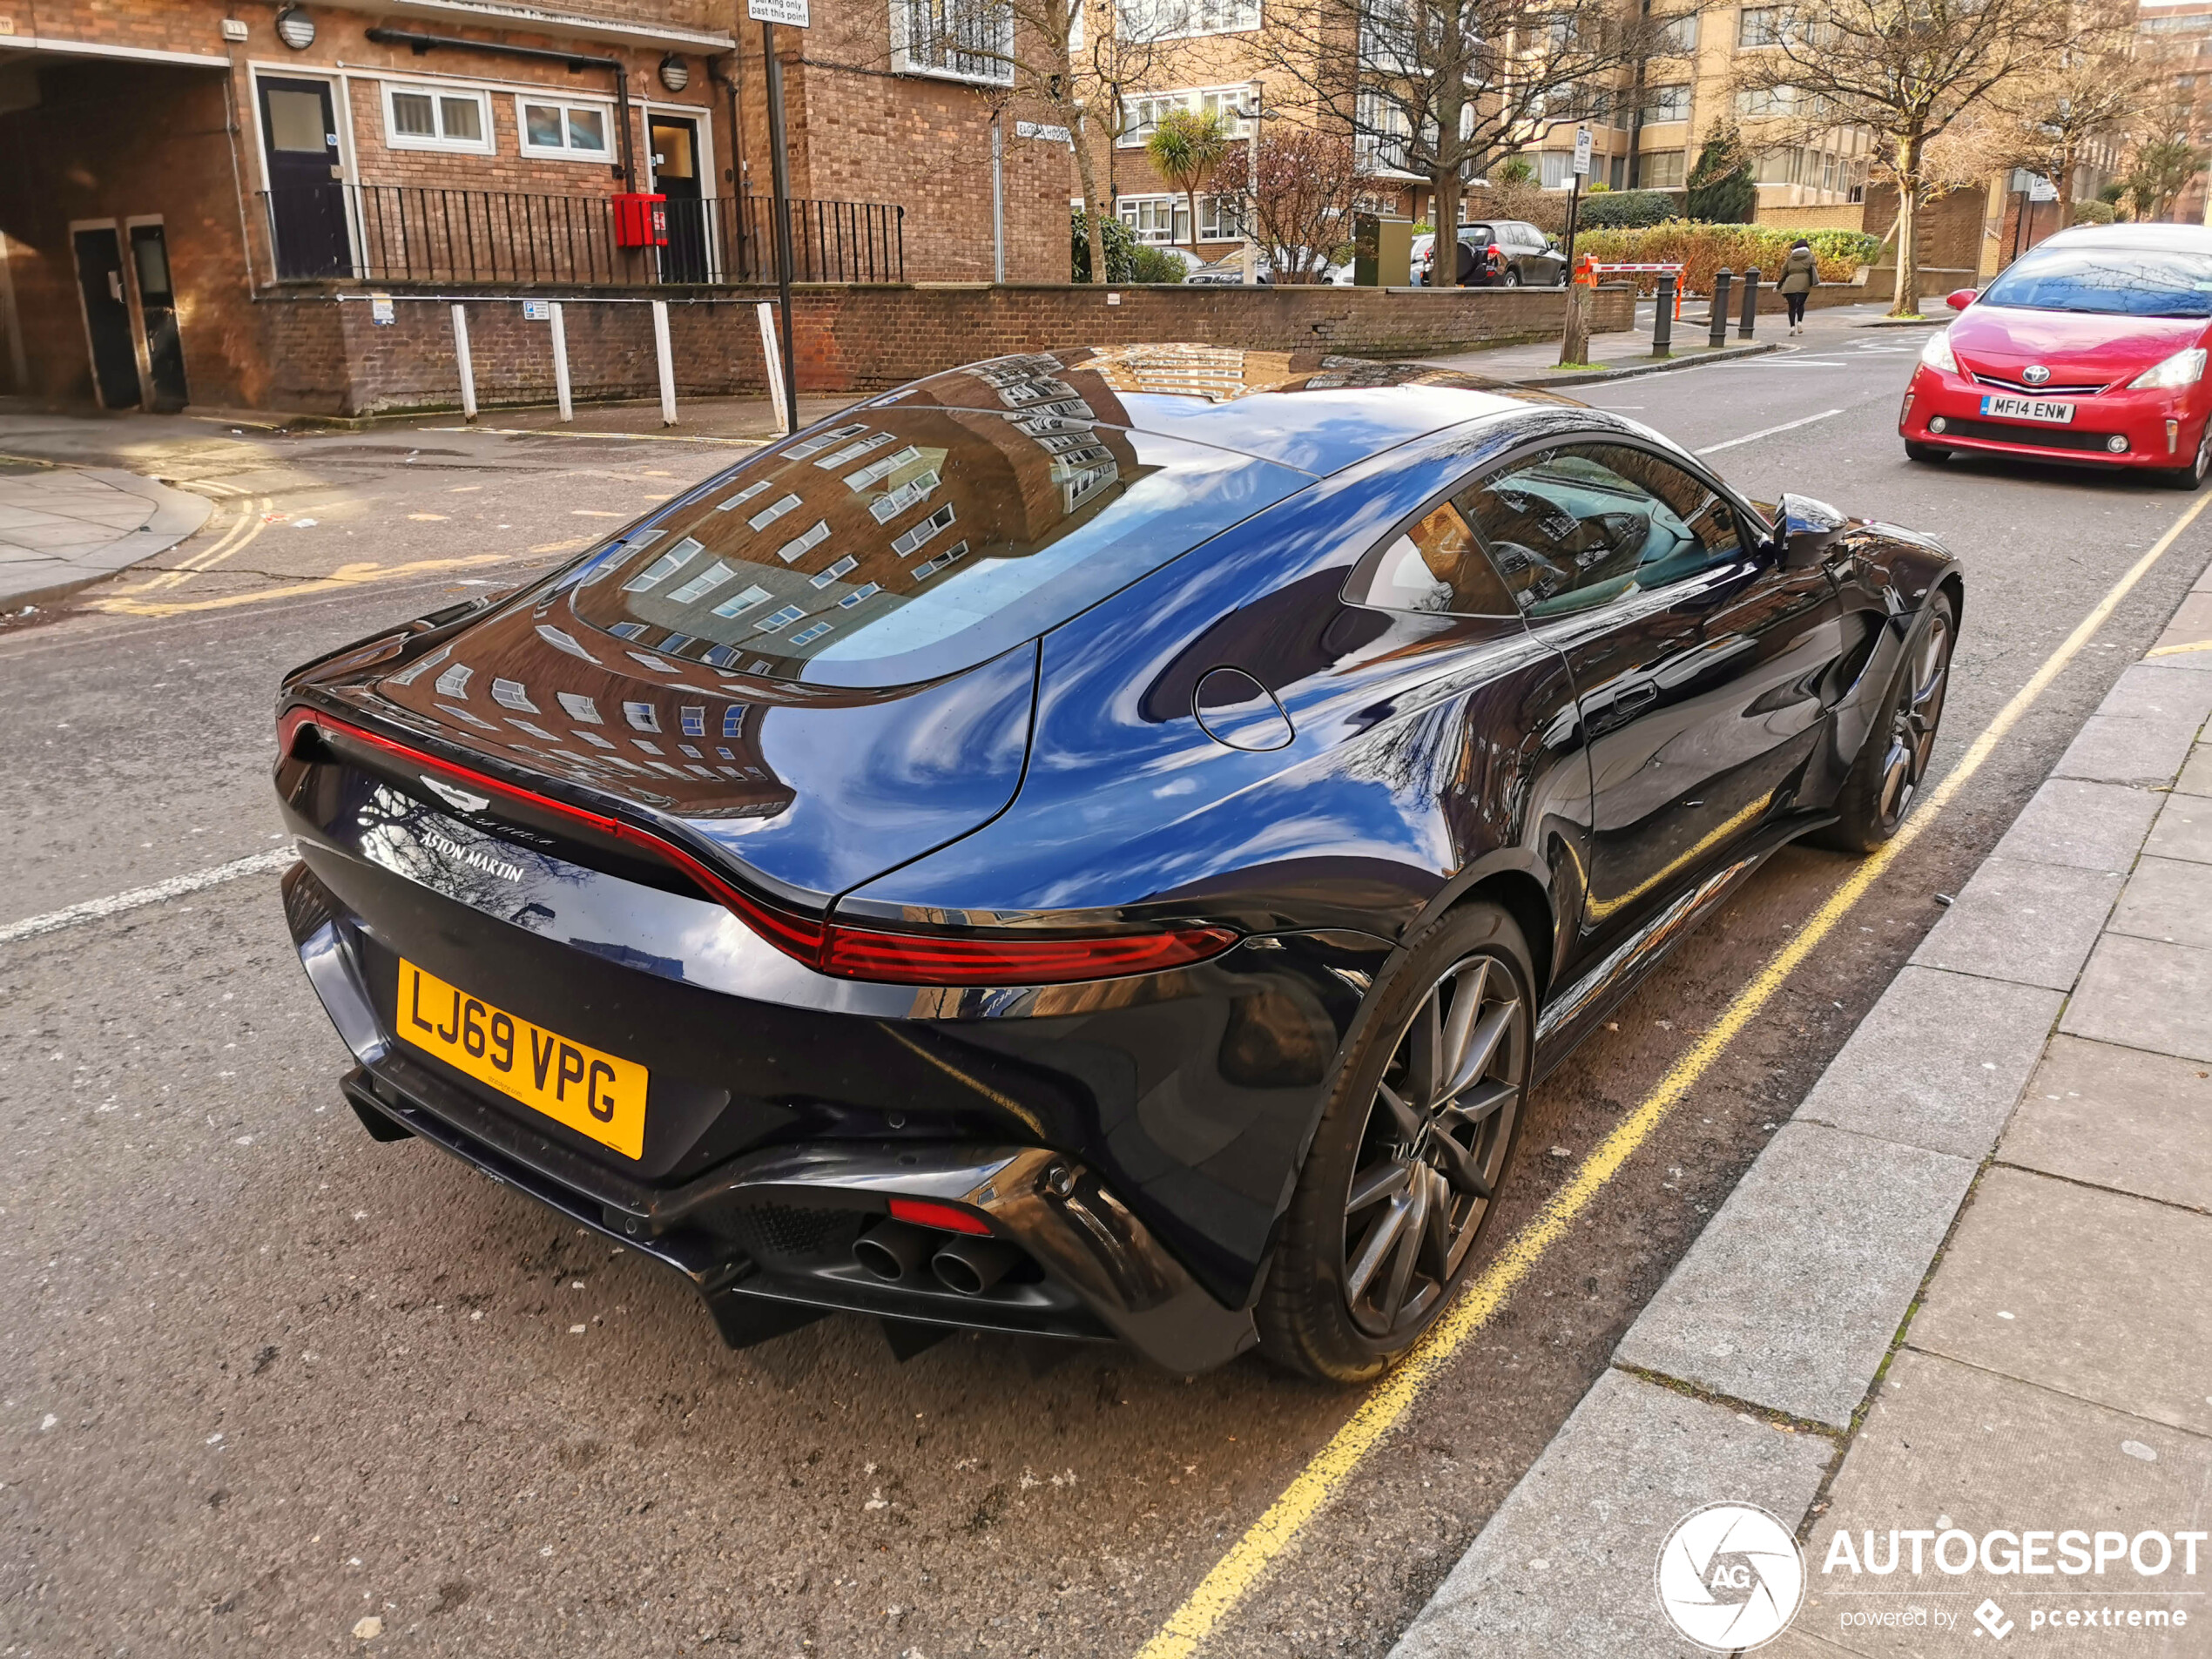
1621 355
62 527
1962 1292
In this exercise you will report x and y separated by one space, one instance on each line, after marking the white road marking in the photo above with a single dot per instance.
175 888
1767 432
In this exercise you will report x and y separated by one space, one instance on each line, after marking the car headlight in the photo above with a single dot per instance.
2183 369
1937 353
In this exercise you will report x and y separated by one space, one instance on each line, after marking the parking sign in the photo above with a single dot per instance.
1582 151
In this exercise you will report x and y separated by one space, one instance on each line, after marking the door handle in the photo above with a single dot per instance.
115 287
1630 697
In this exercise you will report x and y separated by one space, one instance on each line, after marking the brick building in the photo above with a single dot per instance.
183 183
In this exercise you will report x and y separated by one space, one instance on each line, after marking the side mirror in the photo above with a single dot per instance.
1959 298
1805 530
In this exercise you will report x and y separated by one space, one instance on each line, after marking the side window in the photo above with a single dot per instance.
1433 565
1583 524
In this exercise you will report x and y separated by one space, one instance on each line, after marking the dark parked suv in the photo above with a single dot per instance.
1524 257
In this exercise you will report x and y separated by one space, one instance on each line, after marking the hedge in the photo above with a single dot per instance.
1626 209
1703 249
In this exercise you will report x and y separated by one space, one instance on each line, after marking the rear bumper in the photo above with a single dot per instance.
2138 419
766 1238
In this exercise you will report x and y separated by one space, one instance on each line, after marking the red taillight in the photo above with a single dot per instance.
946 1218
928 959
848 953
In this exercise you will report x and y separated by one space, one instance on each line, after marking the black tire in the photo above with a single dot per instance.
2190 477
1359 1272
1513 277
1925 452
1887 772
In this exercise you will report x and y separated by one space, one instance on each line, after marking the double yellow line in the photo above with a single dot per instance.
1238 1572
241 532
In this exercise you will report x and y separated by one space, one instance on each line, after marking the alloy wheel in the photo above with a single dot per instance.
1434 1145
1918 712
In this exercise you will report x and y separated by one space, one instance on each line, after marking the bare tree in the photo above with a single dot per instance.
1444 88
2099 89
1031 50
1908 69
1309 184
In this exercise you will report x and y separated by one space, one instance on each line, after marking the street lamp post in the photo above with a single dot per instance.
1251 182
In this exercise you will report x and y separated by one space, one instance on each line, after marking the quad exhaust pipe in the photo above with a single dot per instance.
895 1251
971 1266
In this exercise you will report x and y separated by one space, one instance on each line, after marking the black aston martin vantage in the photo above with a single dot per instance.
1097 844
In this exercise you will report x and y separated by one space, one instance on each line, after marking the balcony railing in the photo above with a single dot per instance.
421 233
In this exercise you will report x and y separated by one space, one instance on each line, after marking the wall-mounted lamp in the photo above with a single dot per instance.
675 73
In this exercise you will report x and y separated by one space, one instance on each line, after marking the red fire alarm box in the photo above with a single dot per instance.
641 220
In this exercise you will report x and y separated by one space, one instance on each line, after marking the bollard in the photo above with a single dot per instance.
561 389
461 362
1750 303
1716 325
1662 319
667 363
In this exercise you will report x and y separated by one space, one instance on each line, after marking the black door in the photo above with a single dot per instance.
1700 667
307 203
107 318
157 305
675 175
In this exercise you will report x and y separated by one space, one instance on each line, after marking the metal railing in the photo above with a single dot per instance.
424 233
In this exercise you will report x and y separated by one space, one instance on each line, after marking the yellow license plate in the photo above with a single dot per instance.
593 1093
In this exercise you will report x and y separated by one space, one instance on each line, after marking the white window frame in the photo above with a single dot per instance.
604 109
1186 19
1214 211
998 65
1655 113
1226 101
395 140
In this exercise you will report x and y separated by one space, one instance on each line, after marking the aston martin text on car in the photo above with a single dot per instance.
1094 844
2089 349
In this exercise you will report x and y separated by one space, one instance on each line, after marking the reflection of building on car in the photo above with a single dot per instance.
2089 349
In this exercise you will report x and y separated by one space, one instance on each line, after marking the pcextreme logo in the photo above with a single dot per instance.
1730 1577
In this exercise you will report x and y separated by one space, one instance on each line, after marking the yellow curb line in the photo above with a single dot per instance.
1235 1574
346 576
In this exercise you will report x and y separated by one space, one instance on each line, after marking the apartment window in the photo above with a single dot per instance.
1662 170
1762 101
1758 26
1677 38
1617 172
1167 218
1555 168
572 131
1185 19
966 40
1669 102
1382 135
1780 167
427 118
1141 114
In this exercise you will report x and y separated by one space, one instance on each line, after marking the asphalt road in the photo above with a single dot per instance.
261 1378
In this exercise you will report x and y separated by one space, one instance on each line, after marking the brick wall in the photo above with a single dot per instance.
335 359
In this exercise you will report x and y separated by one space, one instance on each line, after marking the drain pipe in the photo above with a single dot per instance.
576 63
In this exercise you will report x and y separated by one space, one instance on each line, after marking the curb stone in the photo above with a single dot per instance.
1687 360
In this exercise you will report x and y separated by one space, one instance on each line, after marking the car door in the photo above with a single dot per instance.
1701 666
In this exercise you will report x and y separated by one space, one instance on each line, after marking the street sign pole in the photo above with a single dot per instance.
768 14
1573 345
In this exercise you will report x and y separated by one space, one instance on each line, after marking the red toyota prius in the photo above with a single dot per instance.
2089 349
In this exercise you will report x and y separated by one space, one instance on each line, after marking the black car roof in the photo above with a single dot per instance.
1303 410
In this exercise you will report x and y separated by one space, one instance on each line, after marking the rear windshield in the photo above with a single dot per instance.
900 544
2114 281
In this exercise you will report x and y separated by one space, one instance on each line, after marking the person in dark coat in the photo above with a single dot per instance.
1799 273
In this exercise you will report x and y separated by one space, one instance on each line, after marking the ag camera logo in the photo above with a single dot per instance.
1730 1577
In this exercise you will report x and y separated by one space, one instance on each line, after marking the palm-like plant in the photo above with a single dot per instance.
1185 147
